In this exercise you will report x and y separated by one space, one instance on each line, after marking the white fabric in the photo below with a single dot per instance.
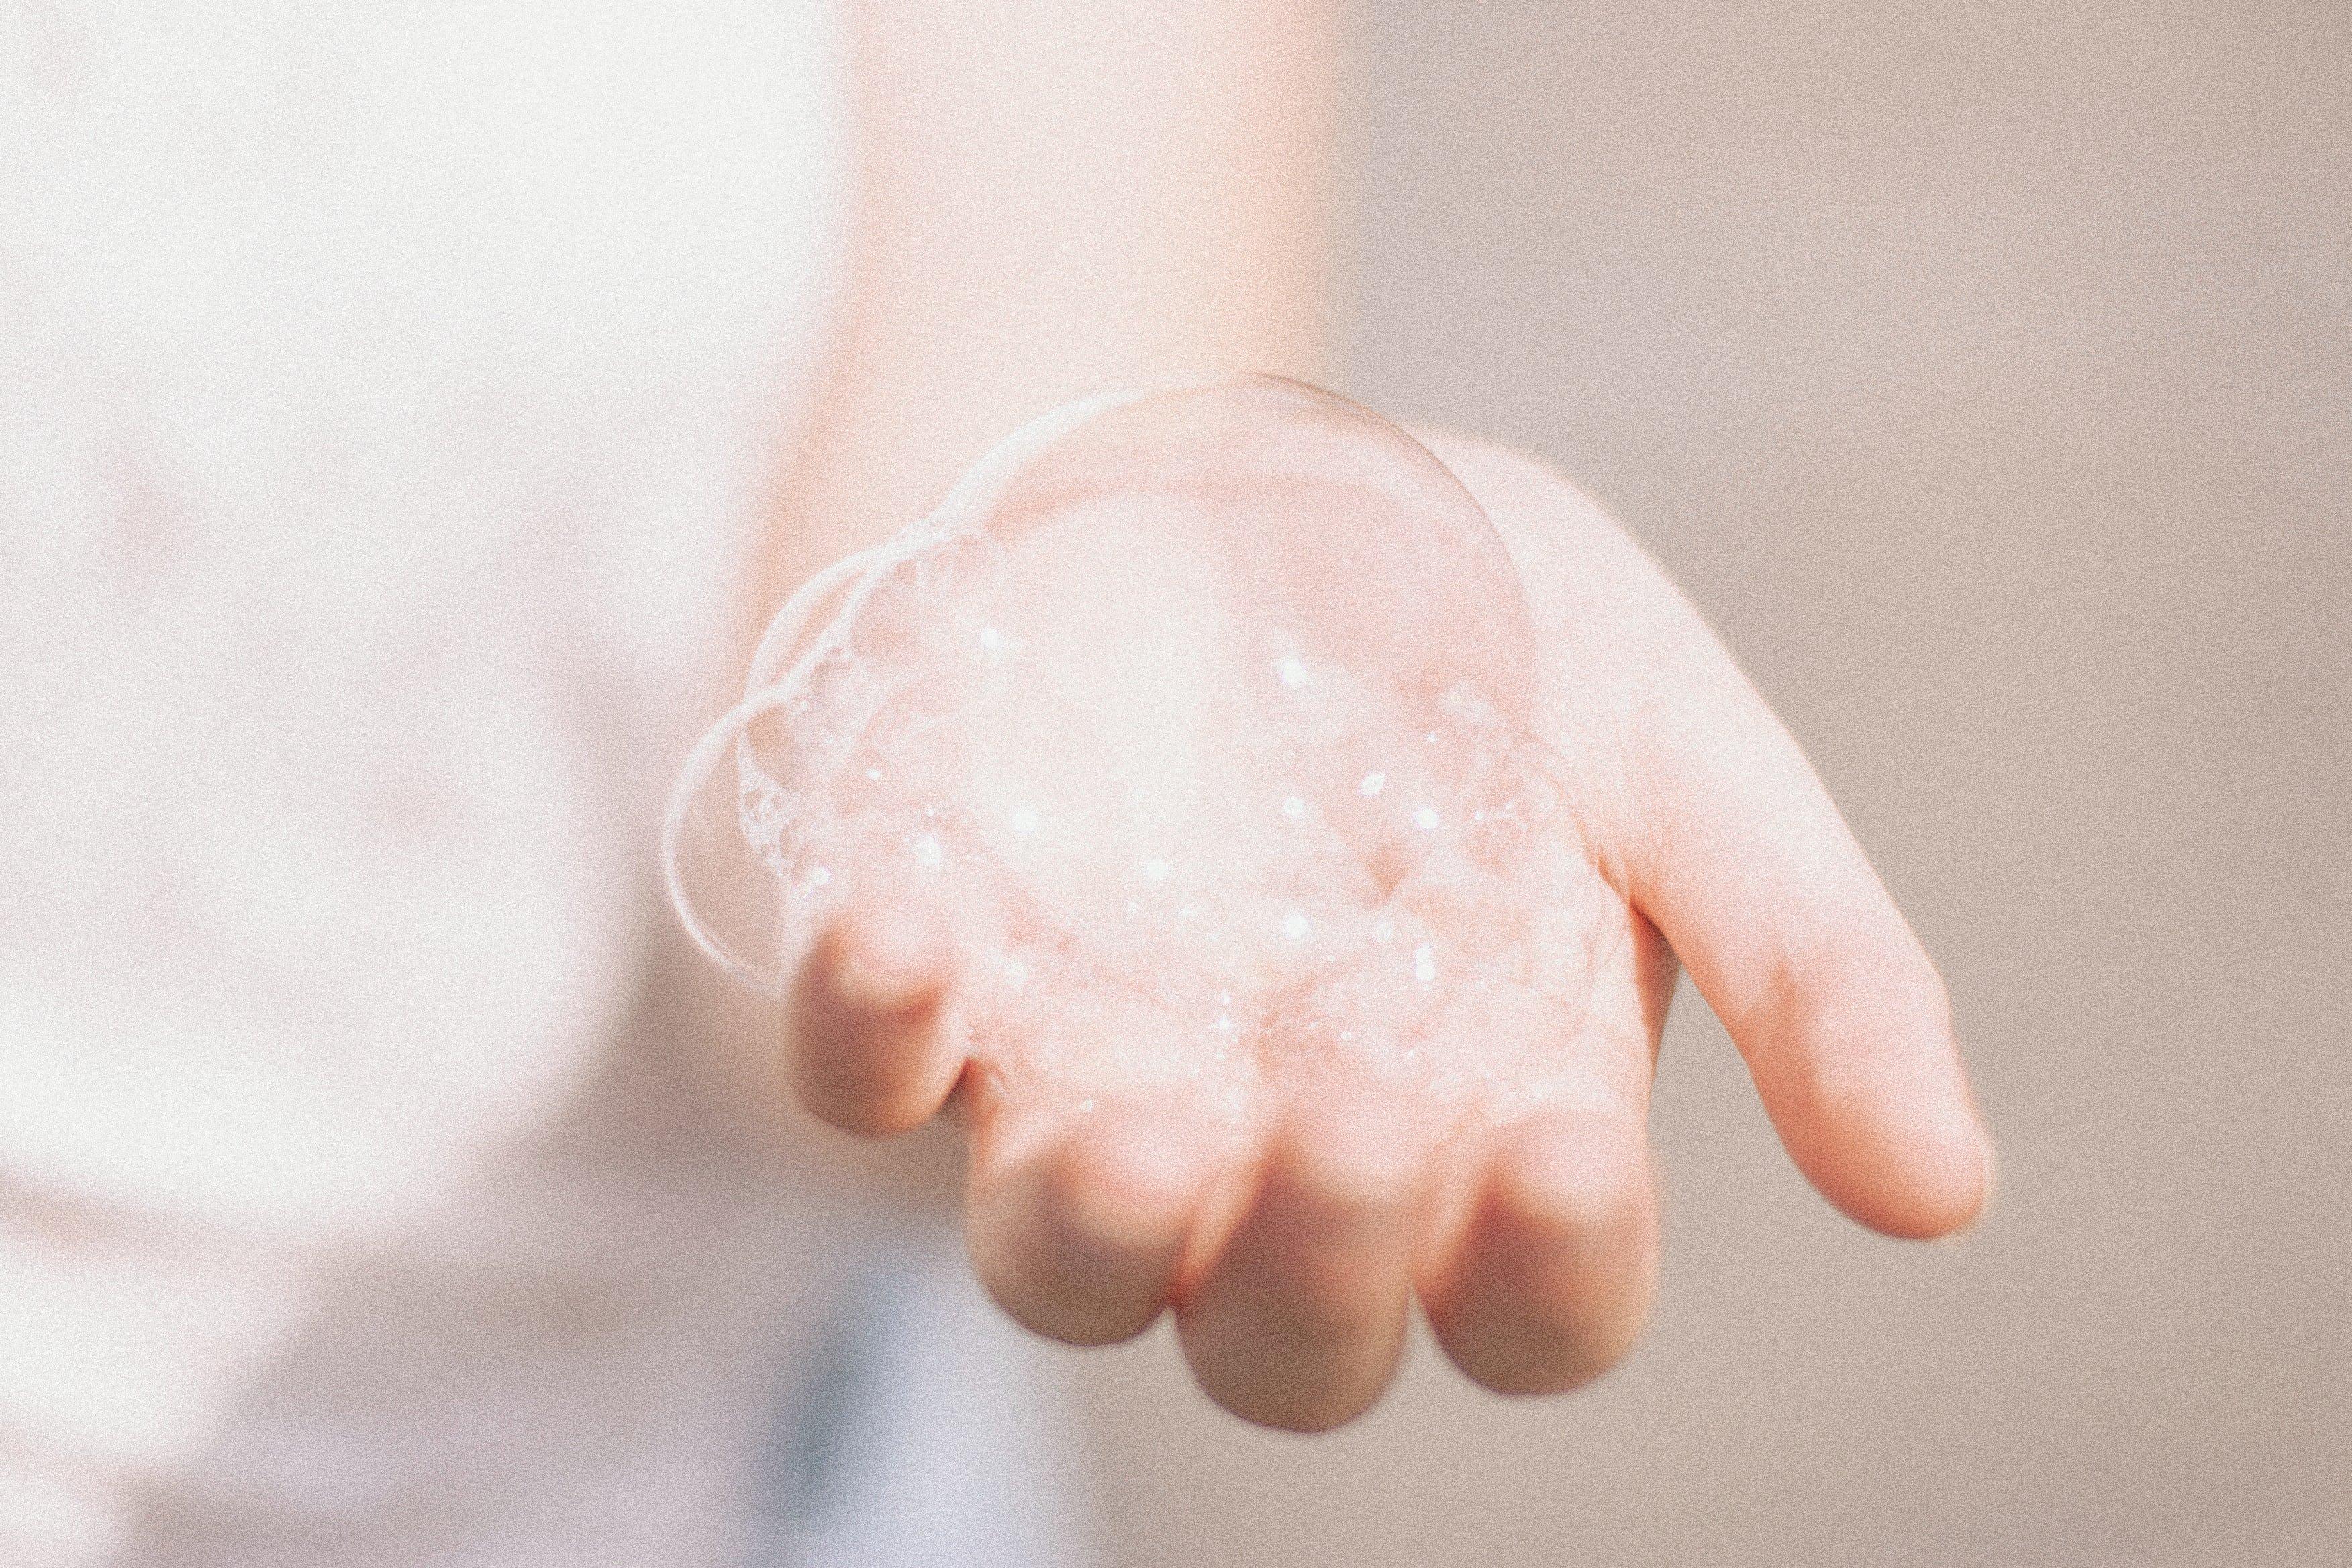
385 395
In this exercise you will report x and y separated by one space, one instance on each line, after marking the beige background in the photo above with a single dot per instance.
1985 370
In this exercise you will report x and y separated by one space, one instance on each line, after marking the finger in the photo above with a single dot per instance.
872 1047
1744 863
1729 845
1300 1321
1077 1229
1546 1275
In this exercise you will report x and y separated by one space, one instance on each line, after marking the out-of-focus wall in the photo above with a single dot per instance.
1985 371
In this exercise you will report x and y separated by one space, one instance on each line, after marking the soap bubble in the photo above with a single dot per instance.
1212 707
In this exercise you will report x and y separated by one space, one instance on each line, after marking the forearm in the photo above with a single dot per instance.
1054 197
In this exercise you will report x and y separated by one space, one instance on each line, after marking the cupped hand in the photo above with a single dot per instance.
1290 1224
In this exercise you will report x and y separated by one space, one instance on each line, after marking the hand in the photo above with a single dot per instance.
1290 1257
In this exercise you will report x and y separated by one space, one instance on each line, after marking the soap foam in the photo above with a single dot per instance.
1213 706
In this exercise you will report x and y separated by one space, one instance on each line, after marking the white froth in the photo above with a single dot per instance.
1205 702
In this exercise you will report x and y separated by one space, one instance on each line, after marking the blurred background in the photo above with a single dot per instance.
1984 372
376 386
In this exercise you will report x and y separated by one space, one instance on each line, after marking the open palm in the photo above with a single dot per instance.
1290 1227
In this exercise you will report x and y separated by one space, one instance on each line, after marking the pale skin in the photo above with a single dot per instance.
1058 196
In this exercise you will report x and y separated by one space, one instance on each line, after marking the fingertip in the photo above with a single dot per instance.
1299 1323
870 1046
1911 1170
882 959
1859 1069
1987 1196
1079 1239
1550 1278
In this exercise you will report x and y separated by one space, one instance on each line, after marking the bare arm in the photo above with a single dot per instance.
1054 196
1060 196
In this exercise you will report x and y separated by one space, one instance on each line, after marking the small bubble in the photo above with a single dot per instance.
873 772
1424 964
1293 669
1296 926
1294 807
1373 784
1426 819
820 878
927 850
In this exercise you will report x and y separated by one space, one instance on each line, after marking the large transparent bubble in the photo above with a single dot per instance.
1209 708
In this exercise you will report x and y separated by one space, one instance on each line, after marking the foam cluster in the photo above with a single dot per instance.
1209 711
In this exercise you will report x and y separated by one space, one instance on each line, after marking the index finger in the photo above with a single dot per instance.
1728 843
